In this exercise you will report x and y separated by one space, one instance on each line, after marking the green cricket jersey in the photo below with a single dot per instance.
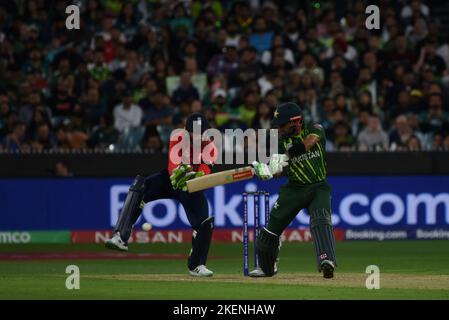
311 166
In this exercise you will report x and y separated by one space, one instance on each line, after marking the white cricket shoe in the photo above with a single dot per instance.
258 273
201 271
116 243
327 267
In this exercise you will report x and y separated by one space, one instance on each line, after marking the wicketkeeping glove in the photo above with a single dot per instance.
277 163
179 172
182 183
262 170
180 178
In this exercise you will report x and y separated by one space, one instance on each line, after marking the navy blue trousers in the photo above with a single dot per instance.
158 186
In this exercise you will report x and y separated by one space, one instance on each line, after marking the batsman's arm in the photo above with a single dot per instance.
311 140
314 137
300 148
317 134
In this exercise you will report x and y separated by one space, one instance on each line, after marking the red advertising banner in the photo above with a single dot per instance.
185 236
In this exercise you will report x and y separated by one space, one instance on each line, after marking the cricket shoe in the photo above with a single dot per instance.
258 273
201 271
327 267
116 243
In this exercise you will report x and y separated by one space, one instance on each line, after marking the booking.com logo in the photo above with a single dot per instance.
353 210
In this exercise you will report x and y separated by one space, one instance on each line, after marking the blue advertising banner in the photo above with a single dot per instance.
361 205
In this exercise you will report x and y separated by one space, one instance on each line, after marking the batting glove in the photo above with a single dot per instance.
277 163
262 170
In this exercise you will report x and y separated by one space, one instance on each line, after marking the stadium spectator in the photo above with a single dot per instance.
43 139
401 51
360 122
127 114
310 65
242 13
16 140
413 144
403 105
434 118
180 19
219 108
186 91
437 142
223 63
127 20
92 107
414 9
249 69
157 110
342 137
341 47
429 60
401 133
105 135
62 139
326 112
78 131
417 30
62 103
262 119
199 79
413 121
247 110
152 142
373 137
278 48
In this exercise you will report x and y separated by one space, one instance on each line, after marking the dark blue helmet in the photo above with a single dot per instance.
200 119
285 113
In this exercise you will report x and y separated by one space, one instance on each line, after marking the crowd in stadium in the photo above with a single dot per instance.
136 69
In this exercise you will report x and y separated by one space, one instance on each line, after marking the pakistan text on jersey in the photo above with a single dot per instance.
307 156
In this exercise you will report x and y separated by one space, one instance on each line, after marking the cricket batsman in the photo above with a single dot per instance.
171 184
302 152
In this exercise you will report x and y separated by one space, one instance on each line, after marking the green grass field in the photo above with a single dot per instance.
409 270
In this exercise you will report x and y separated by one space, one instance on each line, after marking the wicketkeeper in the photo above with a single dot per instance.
171 184
302 152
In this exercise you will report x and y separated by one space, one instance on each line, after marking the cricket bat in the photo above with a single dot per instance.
220 178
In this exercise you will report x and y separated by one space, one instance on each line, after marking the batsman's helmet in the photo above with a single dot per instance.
199 119
285 113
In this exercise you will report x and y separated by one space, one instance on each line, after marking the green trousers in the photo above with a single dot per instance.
316 198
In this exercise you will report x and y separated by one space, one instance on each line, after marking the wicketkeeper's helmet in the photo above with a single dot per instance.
199 119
